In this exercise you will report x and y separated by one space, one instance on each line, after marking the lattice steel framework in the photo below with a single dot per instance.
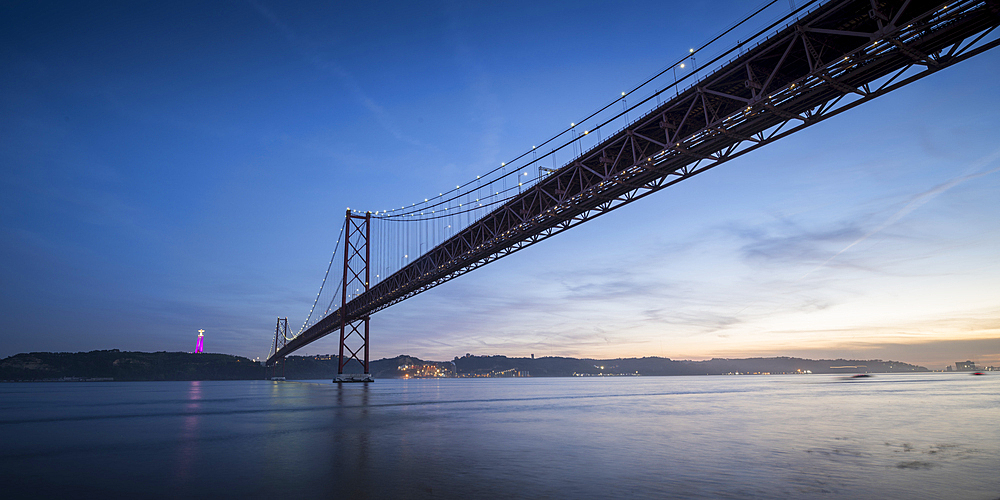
280 340
843 54
357 255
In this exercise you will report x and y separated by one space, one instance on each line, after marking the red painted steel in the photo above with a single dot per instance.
358 234
280 340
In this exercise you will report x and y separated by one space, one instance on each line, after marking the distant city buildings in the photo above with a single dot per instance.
442 370
970 366
425 371
798 371
512 372
965 366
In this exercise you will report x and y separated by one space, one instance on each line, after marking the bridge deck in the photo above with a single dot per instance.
839 56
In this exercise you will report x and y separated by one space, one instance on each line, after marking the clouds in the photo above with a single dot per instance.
195 177
875 270
920 199
311 54
785 242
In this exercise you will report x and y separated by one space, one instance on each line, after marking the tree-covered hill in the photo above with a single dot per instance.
119 365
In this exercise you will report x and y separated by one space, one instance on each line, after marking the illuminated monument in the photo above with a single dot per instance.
200 347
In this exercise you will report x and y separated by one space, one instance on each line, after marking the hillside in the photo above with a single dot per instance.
123 365
566 367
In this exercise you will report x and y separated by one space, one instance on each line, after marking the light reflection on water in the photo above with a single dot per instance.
891 436
188 442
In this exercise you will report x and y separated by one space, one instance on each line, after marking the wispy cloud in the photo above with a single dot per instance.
921 199
486 105
787 242
311 55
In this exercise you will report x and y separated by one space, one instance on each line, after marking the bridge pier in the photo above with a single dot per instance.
278 369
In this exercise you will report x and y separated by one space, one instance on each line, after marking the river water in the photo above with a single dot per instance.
793 436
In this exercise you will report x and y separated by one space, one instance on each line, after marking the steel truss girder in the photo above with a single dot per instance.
841 55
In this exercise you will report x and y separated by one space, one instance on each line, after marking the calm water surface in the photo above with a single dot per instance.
891 436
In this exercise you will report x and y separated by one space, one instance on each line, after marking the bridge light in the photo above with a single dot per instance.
623 94
585 132
691 51
682 65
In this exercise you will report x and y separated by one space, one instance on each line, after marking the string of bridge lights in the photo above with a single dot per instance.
468 197
443 205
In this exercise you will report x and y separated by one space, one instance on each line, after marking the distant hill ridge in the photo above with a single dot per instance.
124 365
558 366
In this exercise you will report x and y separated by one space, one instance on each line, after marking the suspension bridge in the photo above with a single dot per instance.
814 62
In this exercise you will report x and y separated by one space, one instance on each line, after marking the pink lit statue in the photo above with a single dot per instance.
201 342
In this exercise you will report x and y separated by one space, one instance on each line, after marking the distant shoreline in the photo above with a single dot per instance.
115 365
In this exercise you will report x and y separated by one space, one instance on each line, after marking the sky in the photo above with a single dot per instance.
170 167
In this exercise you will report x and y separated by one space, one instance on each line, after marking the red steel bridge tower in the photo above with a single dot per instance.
280 339
354 332
353 328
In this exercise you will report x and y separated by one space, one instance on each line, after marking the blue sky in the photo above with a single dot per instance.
170 167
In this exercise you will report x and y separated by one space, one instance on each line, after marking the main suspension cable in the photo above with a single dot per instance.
323 284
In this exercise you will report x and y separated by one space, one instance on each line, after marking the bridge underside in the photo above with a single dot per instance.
841 55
